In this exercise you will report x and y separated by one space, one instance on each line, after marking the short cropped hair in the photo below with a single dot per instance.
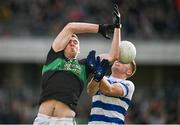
74 35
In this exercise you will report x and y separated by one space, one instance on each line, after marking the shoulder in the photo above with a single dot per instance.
53 55
129 84
54 52
130 88
82 61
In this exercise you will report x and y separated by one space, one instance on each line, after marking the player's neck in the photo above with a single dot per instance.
69 56
118 76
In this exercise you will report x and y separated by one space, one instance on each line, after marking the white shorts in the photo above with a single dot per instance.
42 119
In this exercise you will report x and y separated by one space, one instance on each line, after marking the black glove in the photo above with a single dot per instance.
91 61
105 29
116 16
117 2
101 69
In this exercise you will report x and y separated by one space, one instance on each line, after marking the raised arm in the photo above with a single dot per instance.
64 36
113 53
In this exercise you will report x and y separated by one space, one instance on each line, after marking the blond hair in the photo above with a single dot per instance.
133 67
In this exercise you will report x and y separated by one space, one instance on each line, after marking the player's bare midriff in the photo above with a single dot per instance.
56 108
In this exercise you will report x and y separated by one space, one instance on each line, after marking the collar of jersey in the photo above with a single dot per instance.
115 79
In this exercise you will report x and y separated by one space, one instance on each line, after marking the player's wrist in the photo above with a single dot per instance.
117 21
98 75
118 25
97 79
101 28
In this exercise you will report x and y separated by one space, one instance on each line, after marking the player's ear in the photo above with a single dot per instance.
129 72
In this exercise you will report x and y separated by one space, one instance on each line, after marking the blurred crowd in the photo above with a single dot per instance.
155 106
18 104
142 18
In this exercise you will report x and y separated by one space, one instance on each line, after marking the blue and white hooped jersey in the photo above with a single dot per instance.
108 109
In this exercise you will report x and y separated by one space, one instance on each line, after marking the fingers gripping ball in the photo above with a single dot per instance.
127 52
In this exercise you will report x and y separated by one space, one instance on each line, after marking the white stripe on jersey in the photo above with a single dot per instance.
125 91
98 111
110 100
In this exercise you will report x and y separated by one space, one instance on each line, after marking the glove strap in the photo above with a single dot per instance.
117 25
97 80
101 28
98 76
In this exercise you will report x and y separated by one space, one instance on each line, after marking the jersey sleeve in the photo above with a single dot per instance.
53 55
128 88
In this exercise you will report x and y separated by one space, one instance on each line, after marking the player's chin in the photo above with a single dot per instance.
74 50
74 53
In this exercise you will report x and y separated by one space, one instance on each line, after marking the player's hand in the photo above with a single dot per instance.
105 29
91 61
101 69
116 16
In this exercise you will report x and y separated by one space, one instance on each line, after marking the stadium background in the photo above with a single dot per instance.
28 27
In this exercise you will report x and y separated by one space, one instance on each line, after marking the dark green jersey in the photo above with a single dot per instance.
63 79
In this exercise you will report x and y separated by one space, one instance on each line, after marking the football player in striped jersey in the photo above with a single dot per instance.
112 95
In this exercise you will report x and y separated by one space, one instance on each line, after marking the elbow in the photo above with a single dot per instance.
70 26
